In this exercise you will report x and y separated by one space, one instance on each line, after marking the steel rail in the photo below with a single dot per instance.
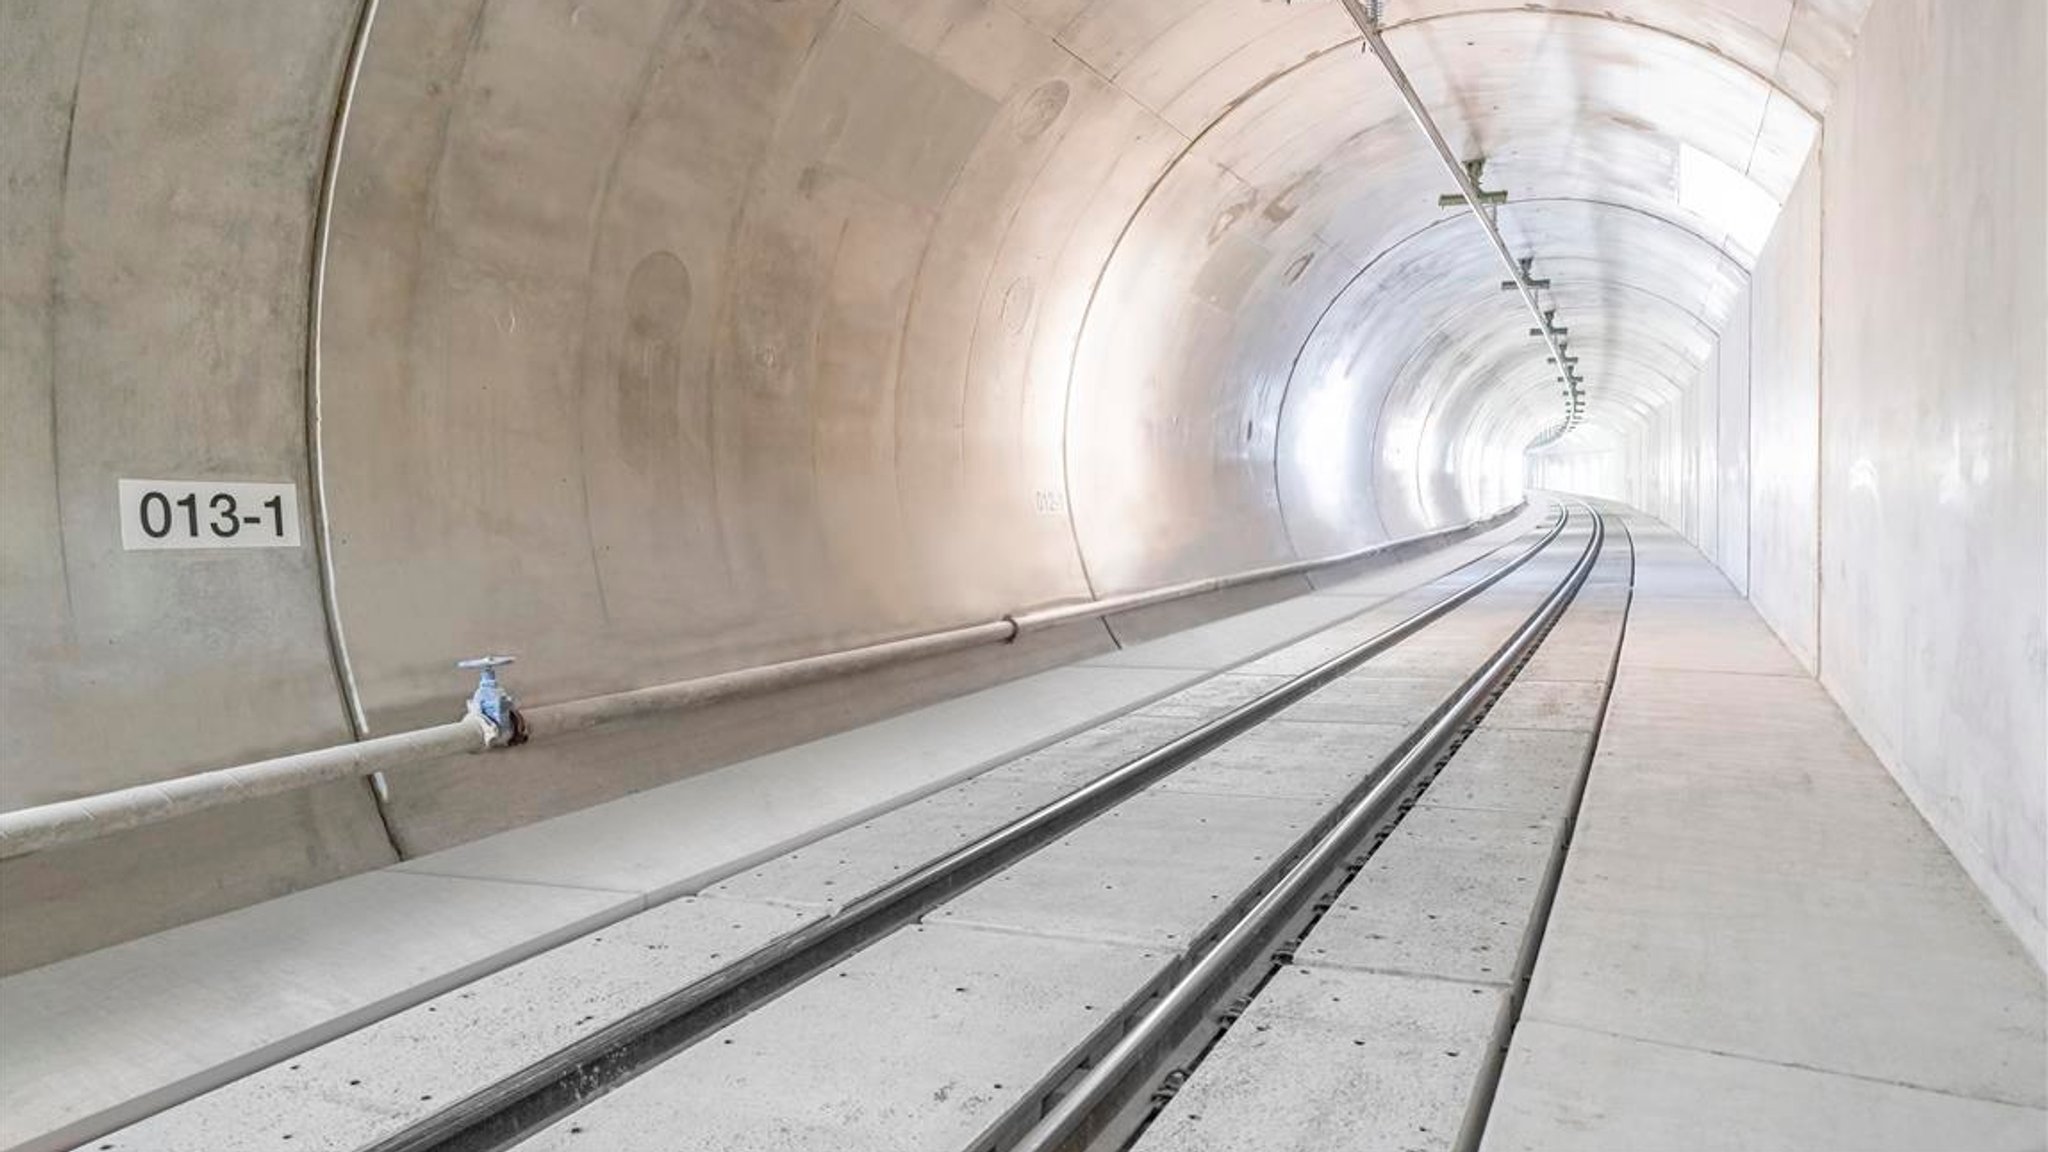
568 1078
1066 1124
1369 24
63 822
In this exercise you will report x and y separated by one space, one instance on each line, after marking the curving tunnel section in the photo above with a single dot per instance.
658 338
972 313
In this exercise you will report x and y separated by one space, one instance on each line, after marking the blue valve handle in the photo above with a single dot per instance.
490 699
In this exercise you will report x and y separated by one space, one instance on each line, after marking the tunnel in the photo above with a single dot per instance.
492 484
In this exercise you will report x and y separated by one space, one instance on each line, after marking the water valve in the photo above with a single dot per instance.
492 704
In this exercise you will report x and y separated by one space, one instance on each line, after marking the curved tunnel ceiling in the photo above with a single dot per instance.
976 304
1570 109
655 338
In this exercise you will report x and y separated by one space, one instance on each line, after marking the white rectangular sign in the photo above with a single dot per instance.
159 514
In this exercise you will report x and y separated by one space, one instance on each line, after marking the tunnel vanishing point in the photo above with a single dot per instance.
806 420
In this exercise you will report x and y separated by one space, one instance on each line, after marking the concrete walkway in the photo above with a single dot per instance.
1757 941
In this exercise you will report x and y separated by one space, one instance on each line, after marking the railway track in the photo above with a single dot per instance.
1101 1086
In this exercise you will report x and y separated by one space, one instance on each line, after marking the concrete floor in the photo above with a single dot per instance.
1757 942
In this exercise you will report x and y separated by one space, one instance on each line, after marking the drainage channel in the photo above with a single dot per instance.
1106 1102
545 1092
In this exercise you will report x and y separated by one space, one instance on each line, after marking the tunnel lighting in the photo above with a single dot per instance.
1714 191
1324 442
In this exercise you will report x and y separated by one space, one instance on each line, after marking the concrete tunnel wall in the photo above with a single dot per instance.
660 338
1866 453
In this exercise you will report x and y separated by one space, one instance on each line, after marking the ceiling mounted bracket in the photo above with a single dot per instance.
1369 15
1491 197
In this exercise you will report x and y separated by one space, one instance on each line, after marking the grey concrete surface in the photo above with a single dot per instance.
1156 871
1751 901
679 836
1933 567
1594 1092
1382 1033
87 896
370 1084
923 1041
1557 705
1528 770
1583 644
1297 758
1341 606
1334 1061
122 1012
847 865
1084 756
1235 639
1305 654
1716 634
1374 700
160 160
1451 895
126 1030
1213 697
